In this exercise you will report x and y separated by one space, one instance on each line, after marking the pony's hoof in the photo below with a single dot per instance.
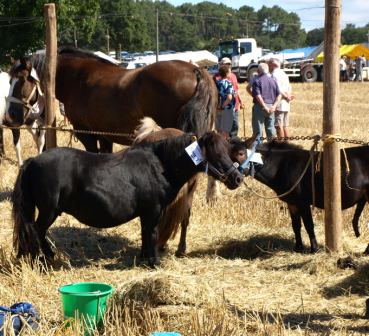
313 250
299 248
180 254
348 262
154 262
163 248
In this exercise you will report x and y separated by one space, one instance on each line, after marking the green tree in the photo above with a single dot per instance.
315 37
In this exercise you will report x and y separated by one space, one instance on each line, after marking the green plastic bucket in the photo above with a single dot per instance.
85 301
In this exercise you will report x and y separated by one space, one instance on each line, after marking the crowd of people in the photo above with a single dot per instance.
351 69
271 92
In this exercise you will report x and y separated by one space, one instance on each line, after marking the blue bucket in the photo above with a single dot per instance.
165 333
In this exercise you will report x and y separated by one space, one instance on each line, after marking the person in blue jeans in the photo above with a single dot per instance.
266 97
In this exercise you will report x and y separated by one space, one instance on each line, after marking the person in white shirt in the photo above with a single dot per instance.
343 69
283 109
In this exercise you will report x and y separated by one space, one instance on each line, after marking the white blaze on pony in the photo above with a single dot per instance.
18 110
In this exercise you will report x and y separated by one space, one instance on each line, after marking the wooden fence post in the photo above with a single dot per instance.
50 72
331 127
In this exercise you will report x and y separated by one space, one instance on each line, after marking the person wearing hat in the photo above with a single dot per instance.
283 108
238 101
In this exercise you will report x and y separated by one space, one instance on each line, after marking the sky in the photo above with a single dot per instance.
311 12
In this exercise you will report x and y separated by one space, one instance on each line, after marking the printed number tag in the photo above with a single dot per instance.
194 152
256 157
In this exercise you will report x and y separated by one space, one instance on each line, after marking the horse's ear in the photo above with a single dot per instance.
26 64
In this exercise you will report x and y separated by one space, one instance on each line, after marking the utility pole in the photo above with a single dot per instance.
157 34
107 40
75 37
120 52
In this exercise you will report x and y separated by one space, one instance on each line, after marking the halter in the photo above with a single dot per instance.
223 177
26 102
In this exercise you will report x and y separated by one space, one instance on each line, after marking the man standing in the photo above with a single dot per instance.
283 108
266 96
239 104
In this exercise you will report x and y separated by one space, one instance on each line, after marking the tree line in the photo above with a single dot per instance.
131 25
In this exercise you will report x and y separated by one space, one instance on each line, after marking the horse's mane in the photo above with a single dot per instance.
80 53
282 145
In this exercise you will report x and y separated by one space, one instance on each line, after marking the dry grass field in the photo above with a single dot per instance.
240 277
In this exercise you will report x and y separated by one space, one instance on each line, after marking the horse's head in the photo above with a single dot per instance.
215 149
24 94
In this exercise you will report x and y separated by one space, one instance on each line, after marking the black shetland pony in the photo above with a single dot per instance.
106 190
284 163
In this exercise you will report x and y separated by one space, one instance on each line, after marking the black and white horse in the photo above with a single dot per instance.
22 103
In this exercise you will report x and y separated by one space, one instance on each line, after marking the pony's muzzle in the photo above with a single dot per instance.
234 180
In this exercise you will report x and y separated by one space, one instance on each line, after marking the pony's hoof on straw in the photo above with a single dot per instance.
346 263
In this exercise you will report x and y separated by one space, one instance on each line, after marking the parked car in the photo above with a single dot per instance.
149 53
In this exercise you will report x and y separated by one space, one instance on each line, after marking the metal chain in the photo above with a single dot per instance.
70 130
131 135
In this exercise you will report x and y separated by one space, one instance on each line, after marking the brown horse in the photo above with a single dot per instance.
101 96
179 211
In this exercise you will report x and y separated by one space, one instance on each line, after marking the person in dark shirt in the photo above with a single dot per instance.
266 97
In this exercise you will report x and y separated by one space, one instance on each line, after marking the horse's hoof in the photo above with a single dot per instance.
313 250
154 262
356 230
180 254
299 248
346 263
163 248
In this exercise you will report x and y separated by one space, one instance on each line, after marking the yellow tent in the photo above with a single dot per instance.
350 50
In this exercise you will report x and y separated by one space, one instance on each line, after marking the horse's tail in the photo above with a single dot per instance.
25 238
198 114
147 126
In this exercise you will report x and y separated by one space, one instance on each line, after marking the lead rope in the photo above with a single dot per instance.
311 152
347 171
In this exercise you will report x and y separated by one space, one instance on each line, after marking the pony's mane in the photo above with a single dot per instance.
80 53
275 144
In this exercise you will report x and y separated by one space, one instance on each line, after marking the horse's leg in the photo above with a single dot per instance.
38 136
45 219
355 221
296 225
149 236
89 141
106 146
181 250
212 192
309 226
17 145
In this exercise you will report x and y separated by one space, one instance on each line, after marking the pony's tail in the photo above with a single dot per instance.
198 114
174 214
25 238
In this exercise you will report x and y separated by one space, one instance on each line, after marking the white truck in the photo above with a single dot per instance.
245 56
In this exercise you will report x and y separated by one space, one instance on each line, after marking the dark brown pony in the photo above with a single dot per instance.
177 212
284 164
101 96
